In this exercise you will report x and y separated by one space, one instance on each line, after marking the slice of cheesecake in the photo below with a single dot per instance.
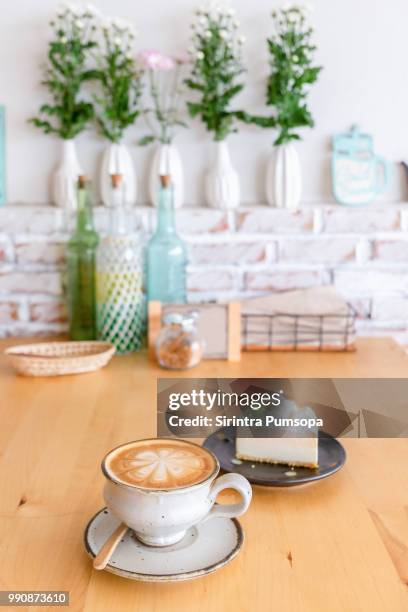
289 451
292 446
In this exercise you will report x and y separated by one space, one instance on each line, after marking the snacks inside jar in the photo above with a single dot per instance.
179 345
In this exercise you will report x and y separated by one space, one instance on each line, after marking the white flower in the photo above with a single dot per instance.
92 10
215 11
308 7
230 12
241 40
296 58
120 24
200 55
64 40
223 34
106 23
203 21
236 23
191 50
68 7
79 24
117 41
293 17
208 34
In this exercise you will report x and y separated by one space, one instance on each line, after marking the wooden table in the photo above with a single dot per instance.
339 545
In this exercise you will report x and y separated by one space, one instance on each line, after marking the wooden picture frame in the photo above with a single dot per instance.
219 325
2 155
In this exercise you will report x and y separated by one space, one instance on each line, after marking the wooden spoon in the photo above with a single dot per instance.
102 558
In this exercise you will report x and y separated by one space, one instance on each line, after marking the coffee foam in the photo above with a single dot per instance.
160 464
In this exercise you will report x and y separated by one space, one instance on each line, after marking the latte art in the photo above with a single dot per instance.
160 464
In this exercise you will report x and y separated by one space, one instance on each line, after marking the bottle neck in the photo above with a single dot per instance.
84 212
117 212
118 221
165 217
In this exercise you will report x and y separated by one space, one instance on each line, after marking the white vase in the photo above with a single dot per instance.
65 177
284 178
222 181
117 160
167 160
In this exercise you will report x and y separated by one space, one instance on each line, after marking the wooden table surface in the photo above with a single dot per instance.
338 545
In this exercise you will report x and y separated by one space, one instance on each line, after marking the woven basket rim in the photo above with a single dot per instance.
20 350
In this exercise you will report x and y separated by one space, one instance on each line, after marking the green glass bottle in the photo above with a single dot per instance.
81 251
166 257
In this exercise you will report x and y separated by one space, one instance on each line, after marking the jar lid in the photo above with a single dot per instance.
179 318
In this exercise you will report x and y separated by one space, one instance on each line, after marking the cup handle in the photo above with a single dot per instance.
230 481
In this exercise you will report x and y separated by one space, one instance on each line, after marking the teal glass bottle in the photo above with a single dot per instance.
166 257
81 253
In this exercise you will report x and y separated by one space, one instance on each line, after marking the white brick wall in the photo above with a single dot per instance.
329 250
247 252
362 220
274 221
284 279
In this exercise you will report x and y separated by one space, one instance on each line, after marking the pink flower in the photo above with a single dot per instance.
154 60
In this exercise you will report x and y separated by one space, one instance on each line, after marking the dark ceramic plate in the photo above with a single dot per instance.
332 457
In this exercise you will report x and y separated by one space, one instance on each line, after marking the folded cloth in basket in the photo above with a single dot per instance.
314 317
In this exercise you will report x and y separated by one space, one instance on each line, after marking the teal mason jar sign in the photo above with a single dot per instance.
358 174
166 257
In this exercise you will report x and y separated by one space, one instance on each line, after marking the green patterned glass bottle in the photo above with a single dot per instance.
81 251
121 303
166 253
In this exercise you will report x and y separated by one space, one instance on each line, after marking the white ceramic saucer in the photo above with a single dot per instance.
204 549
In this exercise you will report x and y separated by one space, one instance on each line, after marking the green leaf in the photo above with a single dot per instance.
193 85
43 125
309 75
118 98
214 80
259 120
194 109
229 94
90 75
292 72
145 140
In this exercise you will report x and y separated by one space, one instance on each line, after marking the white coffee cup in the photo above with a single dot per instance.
161 517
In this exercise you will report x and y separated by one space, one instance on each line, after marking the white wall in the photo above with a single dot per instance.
362 46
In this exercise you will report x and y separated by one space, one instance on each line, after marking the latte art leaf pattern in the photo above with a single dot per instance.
161 467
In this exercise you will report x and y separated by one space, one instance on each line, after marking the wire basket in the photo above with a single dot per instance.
298 332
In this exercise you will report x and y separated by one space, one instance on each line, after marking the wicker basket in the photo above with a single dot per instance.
59 358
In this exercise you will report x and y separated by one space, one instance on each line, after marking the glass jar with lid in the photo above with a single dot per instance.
179 345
